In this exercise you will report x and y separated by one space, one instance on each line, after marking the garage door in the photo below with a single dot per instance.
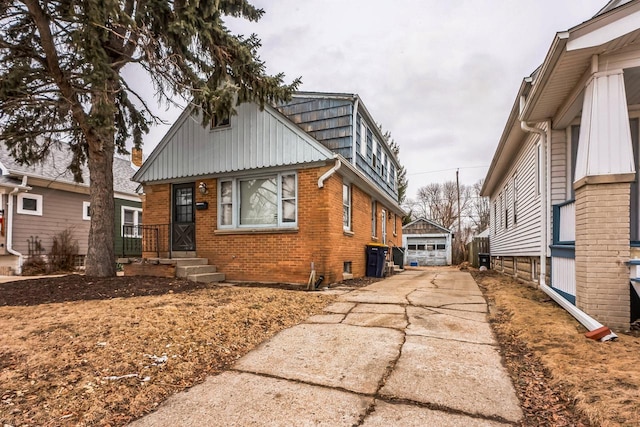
426 252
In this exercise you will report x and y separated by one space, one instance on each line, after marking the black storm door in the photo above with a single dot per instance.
183 227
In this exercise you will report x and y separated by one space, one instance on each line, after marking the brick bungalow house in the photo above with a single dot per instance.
563 182
267 193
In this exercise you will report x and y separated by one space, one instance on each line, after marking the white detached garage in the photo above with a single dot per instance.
426 243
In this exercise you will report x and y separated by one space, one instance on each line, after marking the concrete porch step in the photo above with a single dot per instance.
180 262
183 254
187 270
206 277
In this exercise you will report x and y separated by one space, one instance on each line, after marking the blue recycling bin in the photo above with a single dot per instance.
376 258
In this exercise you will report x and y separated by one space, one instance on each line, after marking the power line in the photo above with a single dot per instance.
449 169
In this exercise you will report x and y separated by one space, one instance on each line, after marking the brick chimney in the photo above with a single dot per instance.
136 156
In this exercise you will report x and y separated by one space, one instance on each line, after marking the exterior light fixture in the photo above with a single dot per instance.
203 188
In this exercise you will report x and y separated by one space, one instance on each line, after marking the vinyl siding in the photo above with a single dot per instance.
60 210
523 238
255 139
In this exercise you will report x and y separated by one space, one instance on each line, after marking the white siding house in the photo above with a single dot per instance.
563 183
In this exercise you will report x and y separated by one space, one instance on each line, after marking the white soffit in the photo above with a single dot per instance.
606 33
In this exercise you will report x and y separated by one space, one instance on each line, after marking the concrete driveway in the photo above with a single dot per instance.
411 350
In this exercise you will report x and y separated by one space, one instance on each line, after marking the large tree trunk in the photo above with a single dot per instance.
100 260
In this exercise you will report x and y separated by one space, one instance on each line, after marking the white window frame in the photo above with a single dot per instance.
346 226
539 170
374 218
136 220
86 214
236 200
374 150
36 197
363 138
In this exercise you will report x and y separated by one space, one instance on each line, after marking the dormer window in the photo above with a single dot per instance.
219 121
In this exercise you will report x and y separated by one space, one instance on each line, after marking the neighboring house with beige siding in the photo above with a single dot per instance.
40 201
563 182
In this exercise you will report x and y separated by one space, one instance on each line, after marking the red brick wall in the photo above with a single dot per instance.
284 256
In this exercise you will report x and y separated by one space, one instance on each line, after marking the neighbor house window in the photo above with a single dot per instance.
269 201
86 211
30 204
539 171
346 207
131 221
506 207
515 199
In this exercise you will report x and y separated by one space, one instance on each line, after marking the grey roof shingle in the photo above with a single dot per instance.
55 165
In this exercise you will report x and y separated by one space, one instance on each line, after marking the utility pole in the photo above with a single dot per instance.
459 235
458 189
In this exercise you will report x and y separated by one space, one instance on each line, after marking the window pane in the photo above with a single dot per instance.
128 217
345 194
29 204
226 191
345 216
226 215
288 186
258 202
289 211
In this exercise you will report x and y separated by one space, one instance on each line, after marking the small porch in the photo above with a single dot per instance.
564 271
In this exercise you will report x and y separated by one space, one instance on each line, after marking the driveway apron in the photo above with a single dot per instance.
414 349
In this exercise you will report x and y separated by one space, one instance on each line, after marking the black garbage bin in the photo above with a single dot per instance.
376 257
398 257
484 260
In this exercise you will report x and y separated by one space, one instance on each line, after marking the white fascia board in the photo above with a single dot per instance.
365 184
606 33
128 197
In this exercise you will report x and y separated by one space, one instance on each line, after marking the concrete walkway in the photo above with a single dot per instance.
411 350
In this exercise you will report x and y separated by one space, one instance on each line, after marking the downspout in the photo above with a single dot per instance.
328 173
587 321
12 251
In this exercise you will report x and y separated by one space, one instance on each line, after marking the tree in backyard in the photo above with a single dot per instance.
62 81
401 174
439 203
480 208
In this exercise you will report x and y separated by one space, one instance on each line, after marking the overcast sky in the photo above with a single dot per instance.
440 75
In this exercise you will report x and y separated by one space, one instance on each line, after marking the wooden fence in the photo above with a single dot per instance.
479 245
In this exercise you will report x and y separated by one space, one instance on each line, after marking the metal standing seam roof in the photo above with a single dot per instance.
54 168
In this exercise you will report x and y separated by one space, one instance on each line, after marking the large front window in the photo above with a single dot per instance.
269 201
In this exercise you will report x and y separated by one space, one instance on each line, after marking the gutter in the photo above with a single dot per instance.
23 186
330 172
587 321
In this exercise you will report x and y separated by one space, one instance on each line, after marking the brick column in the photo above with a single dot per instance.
602 248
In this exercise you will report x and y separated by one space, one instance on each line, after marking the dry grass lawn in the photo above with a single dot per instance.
602 379
108 361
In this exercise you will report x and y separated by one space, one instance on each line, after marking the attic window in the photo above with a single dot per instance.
219 121
29 204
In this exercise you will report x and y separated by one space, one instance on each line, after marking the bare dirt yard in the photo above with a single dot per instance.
77 351
562 378
82 351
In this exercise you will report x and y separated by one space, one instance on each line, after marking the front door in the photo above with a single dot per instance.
183 225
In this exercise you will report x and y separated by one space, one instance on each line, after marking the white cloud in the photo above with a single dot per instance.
440 75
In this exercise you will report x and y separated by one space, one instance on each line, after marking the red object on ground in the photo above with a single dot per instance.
596 334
